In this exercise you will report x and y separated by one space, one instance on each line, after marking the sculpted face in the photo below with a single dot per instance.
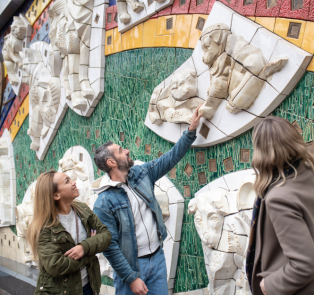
183 85
209 210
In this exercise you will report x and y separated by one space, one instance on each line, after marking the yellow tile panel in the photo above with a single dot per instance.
5 70
19 118
149 32
161 25
117 47
266 22
182 30
36 10
133 38
308 40
195 33
282 27
251 18
164 41
109 48
311 66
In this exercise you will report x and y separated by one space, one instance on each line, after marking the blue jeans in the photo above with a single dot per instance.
87 290
153 273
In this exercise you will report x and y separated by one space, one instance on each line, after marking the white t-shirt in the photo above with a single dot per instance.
69 223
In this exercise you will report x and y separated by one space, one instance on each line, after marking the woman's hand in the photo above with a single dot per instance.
75 253
262 285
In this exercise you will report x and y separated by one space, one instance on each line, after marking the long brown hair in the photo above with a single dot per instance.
277 144
45 209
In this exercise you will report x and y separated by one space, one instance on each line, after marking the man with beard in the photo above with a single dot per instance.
128 207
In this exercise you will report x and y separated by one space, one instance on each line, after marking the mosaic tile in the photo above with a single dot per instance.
130 79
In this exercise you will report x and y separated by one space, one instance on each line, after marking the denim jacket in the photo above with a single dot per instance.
114 210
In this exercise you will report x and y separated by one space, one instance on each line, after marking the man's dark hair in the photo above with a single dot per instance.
103 153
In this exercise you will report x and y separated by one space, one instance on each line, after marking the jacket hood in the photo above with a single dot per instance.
103 183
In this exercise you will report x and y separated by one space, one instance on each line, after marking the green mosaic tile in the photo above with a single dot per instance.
131 77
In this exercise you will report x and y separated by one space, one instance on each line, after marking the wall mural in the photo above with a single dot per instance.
239 70
240 75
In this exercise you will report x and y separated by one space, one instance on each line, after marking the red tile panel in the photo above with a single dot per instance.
248 9
166 11
210 6
262 10
24 91
183 9
113 11
311 12
233 3
201 9
286 9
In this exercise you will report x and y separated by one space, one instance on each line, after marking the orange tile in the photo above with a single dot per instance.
164 41
117 47
109 39
308 40
182 30
266 22
196 33
149 32
162 25
133 38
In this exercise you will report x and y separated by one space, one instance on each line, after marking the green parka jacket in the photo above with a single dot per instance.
61 275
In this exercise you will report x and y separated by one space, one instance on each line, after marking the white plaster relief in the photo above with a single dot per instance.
14 43
77 32
248 69
222 219
7 181
133 12
24 216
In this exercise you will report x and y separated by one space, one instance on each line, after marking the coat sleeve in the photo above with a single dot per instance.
161 166
53 260
297 245
113 253
101 241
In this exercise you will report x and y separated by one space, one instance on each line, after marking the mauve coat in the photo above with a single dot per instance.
284 253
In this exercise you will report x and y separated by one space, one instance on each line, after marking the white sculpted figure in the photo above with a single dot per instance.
70 33
176 103
5 199
13 44
24 215
124 16
222 220
238 70
77 172
44 93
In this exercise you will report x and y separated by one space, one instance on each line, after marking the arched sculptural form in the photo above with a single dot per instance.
70 34
24 216
7 181
14 43
44 91
222 217
172 205
239 71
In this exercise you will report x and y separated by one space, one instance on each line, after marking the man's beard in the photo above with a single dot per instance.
125 165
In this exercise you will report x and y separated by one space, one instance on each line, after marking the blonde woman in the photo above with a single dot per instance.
65 235
280 258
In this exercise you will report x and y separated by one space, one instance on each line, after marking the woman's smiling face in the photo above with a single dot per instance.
67 189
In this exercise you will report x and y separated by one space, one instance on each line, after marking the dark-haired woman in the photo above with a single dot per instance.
65 235
280 258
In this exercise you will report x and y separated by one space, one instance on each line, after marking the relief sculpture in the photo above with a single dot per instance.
222 220
238 70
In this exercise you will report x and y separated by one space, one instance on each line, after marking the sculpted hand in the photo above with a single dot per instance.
75 253
138 287
262 285
195 119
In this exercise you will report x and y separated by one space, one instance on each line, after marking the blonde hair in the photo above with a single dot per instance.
45 209
277 144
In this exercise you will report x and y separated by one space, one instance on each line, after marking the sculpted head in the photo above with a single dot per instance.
213 40
209 210
184 85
